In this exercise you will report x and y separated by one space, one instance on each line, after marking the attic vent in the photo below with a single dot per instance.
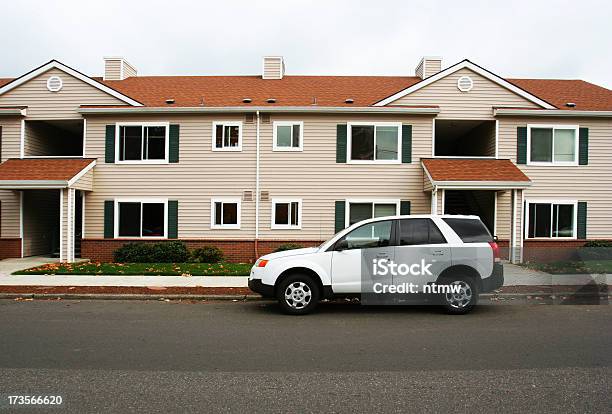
465 84
570 104
170 101
249 118
264 196
247 100
349 100
54 84
271 100
265 118
247 195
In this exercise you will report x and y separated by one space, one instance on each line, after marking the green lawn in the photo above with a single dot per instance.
166 269
586 266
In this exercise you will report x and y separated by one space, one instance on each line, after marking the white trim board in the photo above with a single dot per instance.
54 64
466 64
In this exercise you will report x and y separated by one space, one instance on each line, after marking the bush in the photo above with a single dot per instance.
164 252
288 246
596 250
207 254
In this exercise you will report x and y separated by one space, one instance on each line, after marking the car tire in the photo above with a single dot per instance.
298 294
462 302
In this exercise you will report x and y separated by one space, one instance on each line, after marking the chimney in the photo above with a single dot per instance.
117 68
273 67
429 65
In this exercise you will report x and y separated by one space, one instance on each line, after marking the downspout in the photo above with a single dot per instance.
257 187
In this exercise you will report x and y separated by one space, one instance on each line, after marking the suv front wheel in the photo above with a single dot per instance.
464 296
298 294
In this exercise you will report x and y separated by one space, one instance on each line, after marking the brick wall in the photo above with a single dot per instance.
545 251
238 251
10 248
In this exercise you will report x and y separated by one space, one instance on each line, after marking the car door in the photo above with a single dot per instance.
357 249
421 243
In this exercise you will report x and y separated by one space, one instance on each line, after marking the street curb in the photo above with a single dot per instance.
103 296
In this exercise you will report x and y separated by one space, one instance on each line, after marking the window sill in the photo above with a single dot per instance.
237 149
553 164
284 227
550 238
140 238
151 162
283 149
389 162
225 227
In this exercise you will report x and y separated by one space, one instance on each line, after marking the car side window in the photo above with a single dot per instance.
419 231
377 234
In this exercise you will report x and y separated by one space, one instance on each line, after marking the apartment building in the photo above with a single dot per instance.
246 163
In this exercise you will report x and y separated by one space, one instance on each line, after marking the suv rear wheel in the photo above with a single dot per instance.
298 294
463 298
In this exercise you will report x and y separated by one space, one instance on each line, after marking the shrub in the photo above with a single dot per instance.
288 246
207 254
596 250
163 252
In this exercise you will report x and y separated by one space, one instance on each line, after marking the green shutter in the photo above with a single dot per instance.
404 208
109 219
583 146
581 223
341 143
173 145
110 144
521 145
340 215
406 144
172 219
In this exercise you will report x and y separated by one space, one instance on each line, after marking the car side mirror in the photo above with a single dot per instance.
341 245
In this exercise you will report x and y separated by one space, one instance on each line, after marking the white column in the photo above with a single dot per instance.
434 201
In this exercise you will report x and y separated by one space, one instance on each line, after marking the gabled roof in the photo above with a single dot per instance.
474 172
466 64
43 172
54 64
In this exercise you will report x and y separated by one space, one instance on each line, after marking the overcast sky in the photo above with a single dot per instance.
538 39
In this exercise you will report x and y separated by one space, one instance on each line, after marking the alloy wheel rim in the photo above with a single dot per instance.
298 295
462 298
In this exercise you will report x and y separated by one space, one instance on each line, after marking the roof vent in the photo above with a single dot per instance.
273 67
54 84
571 104
170 101
247 100
349 100
465 84
271 100
117 68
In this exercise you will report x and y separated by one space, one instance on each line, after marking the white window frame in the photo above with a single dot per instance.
163 201
374 201
349 138
276 124
225 200
529 201
289 226
553 127
226 123
143 125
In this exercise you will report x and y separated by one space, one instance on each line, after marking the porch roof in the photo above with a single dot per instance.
475 173
40 173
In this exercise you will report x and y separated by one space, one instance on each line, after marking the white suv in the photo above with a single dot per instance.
457 252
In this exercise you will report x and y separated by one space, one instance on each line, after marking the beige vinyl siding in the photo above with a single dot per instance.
200 175
65 215
590 183
43 104
454 104
40 221
11 138
10 205
85 182
112 69
504 214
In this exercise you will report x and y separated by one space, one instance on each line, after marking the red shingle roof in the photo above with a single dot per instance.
445 169
558 92
37 169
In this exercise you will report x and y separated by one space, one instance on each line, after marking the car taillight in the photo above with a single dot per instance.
495 248
262 263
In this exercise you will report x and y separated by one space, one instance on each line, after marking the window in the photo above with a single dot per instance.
469 230
286 214
288 135
377 234
225 213
419 231
227 136
553 144
551 219
363 210
142 143
374 143
136 218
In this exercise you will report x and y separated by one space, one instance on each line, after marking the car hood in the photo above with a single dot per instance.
293 252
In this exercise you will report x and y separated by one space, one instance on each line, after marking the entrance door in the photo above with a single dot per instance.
479 203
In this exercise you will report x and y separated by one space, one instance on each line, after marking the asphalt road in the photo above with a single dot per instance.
112 356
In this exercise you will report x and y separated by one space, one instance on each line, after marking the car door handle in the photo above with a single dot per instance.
437 252
383 255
